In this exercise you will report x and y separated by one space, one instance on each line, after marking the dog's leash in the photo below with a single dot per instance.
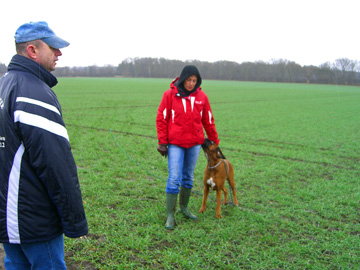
193 191
133 159
118 144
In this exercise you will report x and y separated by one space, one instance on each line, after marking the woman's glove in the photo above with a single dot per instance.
162 149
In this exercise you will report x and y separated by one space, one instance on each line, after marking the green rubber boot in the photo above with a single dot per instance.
184 200
170 209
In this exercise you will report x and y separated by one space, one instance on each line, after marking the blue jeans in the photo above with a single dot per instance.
48 255
181 163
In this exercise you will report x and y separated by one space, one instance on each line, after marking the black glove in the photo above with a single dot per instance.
162 149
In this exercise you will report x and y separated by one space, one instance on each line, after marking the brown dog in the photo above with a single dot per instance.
217 171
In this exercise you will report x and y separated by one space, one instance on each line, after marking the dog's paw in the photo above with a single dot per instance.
218 216
202 210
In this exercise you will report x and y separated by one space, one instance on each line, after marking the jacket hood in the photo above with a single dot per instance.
24 64
185 73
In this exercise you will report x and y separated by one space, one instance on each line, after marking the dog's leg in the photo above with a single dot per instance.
235 200
218 203
203 205
225 195
232 185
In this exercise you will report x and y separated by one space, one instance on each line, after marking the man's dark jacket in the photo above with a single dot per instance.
40 196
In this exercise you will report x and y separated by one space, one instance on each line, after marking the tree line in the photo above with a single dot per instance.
341 71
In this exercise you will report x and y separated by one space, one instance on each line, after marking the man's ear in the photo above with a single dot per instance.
32 51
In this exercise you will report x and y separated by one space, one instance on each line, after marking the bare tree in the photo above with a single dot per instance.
341 66
342 71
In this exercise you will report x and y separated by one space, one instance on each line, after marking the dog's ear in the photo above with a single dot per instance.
219 154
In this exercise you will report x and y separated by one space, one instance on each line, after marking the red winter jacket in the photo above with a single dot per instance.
180 120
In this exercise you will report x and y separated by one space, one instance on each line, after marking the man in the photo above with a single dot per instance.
40 197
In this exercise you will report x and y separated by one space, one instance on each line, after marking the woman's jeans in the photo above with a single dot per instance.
181 163
47 255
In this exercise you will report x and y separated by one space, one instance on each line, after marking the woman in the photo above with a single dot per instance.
183 113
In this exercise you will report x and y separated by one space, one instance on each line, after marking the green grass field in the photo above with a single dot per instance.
295 151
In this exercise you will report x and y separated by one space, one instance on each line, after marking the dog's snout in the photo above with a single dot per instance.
207 143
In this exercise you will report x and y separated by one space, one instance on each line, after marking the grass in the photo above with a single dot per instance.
295 150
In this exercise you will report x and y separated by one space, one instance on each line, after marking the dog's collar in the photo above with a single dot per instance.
213 167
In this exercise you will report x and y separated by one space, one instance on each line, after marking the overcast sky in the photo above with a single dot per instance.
105 32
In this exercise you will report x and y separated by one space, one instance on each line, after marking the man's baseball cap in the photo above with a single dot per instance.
39 30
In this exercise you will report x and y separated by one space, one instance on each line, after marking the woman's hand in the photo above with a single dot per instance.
162 149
